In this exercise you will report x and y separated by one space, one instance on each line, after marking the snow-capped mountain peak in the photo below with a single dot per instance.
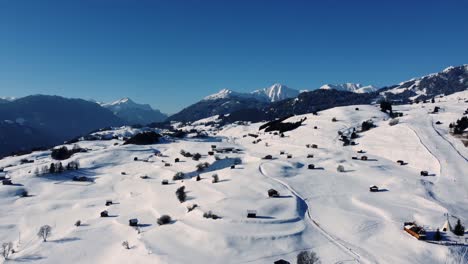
351 87
126 103
224 93
276 92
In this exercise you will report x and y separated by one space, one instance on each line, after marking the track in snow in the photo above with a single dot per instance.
356 257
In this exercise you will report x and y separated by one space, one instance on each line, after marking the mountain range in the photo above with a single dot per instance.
134 113
40 120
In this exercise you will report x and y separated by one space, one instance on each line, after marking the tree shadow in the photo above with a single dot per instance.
28 258
224 180
264 217
283 196
383 190
65 240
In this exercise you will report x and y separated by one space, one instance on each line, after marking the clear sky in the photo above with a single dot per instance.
173 53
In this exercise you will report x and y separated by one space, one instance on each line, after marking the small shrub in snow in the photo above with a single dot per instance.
340 168
306 257
334 119
126 245
209 214
198 178
164 219
44 232
78 223
393 121
178 176
196 156
191 207
215 178
367 125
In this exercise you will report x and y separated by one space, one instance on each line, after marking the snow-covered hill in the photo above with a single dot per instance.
331 213
351 87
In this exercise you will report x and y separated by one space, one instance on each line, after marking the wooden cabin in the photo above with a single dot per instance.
307 145
401 162
309 156
289 156
424 173
281 261
364 158
311 166
164 182
176 160
133 222
233 167
282 152
438 123
109 203
373 188
416 231
273 193
251 214
268 157
314 146
135 159
145 177
213 146
361 151
211 153
123 173
354 158
7 182
315 127
104 214
167 165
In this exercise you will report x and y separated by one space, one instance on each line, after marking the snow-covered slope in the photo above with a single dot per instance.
351 87
321 210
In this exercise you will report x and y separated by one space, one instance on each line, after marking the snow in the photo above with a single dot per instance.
125 103
350 87
331 213
276 92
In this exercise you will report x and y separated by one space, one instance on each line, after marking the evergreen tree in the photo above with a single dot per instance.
52 168
437 235
459 229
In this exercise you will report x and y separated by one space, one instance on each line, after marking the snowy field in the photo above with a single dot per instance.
331 213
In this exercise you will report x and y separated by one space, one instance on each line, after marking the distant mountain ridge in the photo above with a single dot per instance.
274 93
351 87
448 81
134 113
49 120
279 100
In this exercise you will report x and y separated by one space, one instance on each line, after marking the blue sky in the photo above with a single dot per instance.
173 53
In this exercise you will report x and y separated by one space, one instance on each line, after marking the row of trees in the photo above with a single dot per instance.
57 168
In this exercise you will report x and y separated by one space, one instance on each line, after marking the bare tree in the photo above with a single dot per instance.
44 232
306 257
126 245
7 248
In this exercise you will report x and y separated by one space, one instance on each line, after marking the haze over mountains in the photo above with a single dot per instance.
52 119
